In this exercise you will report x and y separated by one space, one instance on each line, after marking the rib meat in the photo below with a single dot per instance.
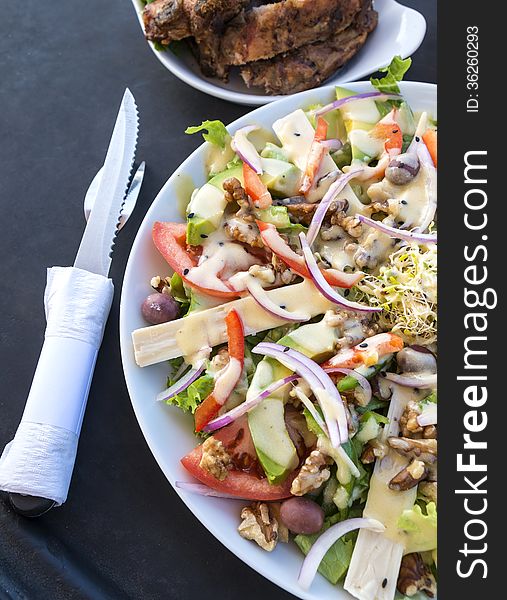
312 64
265 31
166 21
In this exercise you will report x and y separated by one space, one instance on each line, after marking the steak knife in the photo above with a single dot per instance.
62 380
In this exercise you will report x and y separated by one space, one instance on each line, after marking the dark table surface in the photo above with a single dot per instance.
123 532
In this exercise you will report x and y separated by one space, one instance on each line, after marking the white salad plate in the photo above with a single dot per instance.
400 31
168 431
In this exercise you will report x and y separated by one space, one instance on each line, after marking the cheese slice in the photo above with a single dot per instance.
375 562
186 336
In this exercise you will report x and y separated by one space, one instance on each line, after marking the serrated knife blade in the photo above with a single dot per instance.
95 249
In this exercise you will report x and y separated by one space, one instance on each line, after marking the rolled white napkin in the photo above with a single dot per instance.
40 459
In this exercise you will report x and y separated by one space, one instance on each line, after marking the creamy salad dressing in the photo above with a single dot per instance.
334 252
220 258
407 203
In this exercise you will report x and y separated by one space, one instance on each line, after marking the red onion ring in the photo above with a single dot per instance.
245 149
394 232
230 416
258 293
308 404
323 286
326 540
203 490
318 381
361 379
332 145
339 103
329 196
424 382
182 384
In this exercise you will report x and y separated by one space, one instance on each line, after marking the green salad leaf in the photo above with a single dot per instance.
336 561
215 132
420 528
372 405
196 392
395 73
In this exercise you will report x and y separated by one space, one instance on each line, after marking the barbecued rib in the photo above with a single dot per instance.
264 32
208 19
312 64
166 21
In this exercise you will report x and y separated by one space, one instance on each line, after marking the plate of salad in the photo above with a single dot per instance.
279 333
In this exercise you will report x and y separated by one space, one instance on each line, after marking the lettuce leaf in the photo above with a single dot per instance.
420 528
395 73
189 399
336 561
215 132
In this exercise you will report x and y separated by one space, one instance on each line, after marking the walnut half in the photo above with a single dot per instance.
215 459
409 477
259 525
312 474
415 576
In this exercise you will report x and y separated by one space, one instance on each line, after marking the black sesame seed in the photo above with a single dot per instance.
417 138
286 349
186 271
203 235
384 583
283 306
363 345
191 215
395 130
400 223
220 243
297 134
404 202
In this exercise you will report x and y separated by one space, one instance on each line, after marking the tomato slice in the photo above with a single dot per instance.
170 241
255 188
273 240
315 156
238 441
228 379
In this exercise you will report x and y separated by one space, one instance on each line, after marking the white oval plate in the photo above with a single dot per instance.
169 432
400 31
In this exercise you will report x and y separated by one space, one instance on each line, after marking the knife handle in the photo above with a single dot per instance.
61 383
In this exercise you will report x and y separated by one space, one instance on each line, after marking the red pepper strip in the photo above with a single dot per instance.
389 130
170 241
208 409
315 156
430 139
273 240
254 187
